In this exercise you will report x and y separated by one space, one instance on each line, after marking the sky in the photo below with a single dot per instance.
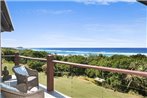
77 23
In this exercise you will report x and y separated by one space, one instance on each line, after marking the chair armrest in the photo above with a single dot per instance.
32 72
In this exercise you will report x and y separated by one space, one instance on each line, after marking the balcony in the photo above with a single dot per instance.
52 82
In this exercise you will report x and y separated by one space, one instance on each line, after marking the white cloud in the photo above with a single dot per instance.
127 28
46 11
103 1
84 1
6 42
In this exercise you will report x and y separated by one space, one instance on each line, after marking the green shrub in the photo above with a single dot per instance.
31 53
44 68
37 65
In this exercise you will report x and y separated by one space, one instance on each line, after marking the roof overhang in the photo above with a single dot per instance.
6 24
143 1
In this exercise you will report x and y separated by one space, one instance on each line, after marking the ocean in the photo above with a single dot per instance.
95 51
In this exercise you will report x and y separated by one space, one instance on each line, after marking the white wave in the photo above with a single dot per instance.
69 52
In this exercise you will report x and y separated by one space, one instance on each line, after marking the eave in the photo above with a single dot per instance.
143 1
6 24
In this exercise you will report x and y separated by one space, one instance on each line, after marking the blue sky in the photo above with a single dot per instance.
77 23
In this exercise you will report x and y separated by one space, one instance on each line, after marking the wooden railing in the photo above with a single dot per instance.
31 58
51 62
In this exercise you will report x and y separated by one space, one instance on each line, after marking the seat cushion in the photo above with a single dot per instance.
21 70
30 78
34 89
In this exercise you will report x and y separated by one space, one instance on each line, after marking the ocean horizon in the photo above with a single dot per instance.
94 51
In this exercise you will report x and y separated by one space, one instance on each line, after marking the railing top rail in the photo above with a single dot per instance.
8 55
117 70
26 57
32 58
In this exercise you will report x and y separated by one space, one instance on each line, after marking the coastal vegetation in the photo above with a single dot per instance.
79 87
117 82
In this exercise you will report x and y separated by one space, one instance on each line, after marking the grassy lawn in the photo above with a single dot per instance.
79 88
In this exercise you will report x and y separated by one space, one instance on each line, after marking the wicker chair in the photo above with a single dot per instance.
31 79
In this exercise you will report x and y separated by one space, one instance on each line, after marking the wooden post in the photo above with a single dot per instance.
50 73
16 59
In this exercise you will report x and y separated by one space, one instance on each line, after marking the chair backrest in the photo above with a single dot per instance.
21 70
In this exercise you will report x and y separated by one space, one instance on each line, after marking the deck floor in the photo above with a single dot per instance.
53 94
